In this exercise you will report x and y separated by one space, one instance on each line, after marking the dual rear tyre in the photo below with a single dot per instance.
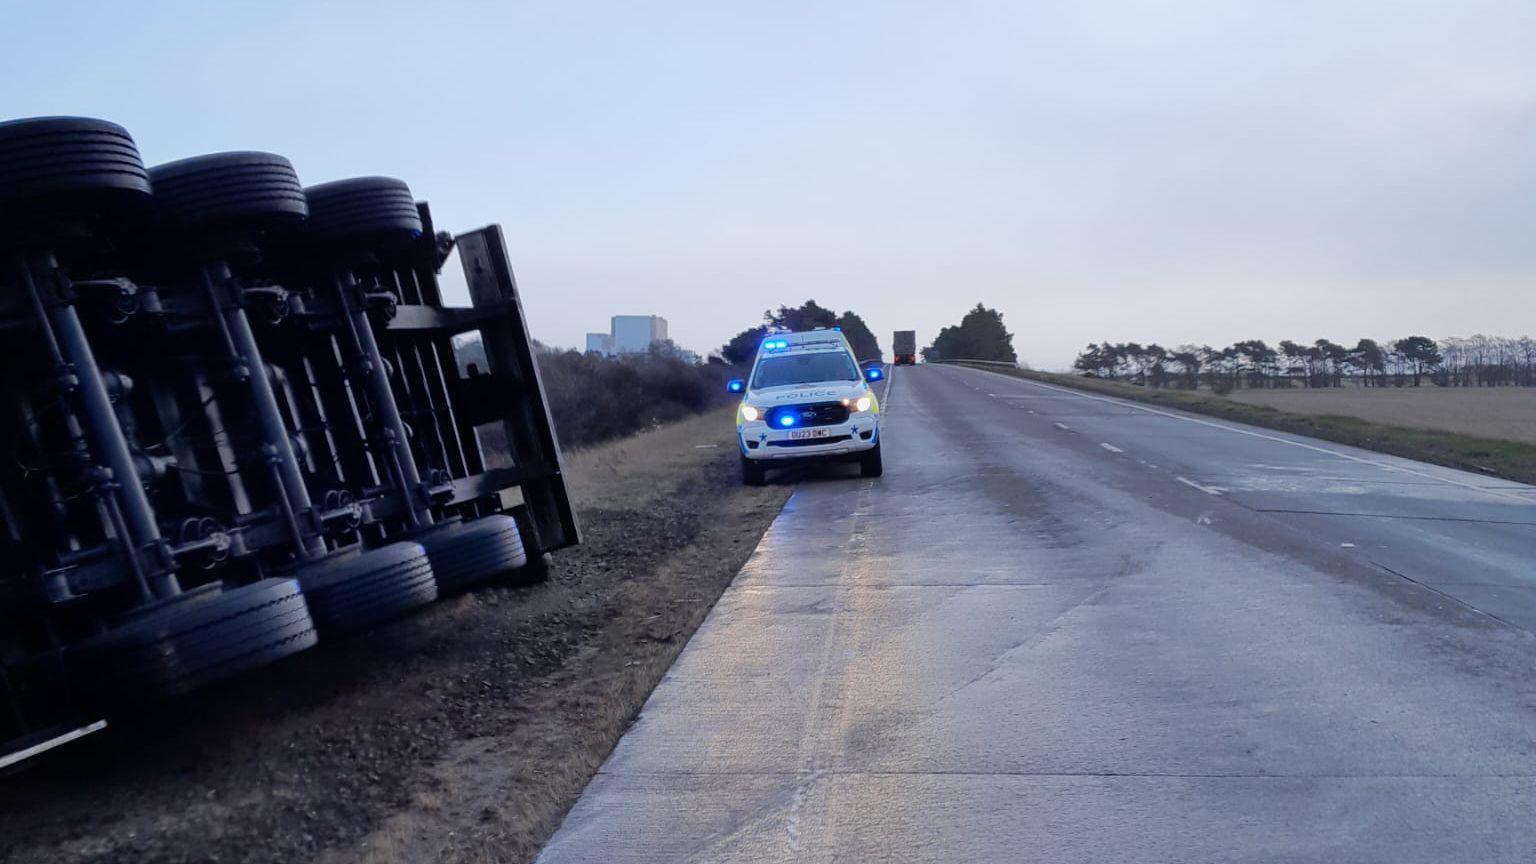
467 554
214 633
367 589
194 640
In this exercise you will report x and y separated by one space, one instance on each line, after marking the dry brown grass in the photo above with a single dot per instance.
1507 413
497 798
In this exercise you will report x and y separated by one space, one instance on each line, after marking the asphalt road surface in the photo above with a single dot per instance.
1067 628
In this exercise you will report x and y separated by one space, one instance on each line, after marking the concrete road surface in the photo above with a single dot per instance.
1065 628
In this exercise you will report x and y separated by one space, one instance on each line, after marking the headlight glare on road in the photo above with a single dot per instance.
748 413
863 403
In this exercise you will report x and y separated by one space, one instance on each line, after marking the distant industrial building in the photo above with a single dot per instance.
601 343
629 334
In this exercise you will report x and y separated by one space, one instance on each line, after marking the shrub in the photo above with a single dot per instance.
594 398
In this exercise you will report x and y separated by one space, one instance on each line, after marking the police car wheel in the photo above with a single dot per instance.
753 474
869 462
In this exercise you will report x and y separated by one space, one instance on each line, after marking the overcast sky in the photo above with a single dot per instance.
1173 171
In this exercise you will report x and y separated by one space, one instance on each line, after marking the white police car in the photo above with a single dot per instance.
807 401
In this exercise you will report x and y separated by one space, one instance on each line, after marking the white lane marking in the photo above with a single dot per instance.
1256 434
1031 410
1110 447
1209 490
1064 427
705 446
1346 545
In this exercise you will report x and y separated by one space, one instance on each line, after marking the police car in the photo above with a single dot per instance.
807 401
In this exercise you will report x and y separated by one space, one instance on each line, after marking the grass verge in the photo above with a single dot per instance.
1510 460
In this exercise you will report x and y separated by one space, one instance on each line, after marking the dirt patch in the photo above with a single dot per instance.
461 734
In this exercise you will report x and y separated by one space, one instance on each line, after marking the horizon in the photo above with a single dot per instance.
1180 174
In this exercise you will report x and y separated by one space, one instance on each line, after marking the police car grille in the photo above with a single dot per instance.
815 414
811 442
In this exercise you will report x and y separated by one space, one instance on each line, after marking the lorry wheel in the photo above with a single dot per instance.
201 637
869 462
364 211
370 588
71 166
752 473
250 190
466 554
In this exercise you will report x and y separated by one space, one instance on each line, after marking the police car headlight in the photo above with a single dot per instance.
863 403
748 413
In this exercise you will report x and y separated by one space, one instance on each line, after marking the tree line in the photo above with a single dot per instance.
808 316
1476 361
980 335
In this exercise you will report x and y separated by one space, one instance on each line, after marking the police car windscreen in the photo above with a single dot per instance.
805 369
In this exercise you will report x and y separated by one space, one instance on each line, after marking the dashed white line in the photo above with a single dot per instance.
1209 490
1064 427
1110 447
1134 406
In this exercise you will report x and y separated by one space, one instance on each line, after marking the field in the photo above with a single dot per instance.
1507 413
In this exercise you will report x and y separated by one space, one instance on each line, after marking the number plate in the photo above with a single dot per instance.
802 434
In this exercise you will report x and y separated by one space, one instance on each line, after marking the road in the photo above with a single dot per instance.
1067 628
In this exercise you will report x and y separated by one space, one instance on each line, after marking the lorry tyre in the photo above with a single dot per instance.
365 211
467 554
72 166
753 473
869 462
246 189
376 586
201 637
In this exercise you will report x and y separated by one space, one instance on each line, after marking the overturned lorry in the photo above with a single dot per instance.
234 423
